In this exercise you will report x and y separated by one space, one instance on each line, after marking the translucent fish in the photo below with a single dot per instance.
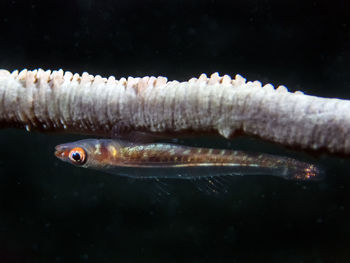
161 160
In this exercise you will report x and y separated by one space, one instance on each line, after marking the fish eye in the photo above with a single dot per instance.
77 155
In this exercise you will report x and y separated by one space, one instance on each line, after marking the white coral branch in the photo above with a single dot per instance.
58 101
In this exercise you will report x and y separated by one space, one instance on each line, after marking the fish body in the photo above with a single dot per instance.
177 161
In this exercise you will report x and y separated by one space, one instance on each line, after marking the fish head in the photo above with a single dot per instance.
74 152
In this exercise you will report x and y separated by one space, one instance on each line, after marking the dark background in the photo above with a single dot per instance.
54 212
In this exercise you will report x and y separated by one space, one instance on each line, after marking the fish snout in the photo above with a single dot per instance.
61 152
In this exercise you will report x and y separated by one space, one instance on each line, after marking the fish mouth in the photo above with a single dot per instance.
61 151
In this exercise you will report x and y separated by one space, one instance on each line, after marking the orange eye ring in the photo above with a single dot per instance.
77 155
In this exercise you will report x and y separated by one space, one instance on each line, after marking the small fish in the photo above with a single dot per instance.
161 160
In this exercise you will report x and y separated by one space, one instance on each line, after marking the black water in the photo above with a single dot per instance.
53 212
